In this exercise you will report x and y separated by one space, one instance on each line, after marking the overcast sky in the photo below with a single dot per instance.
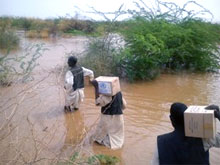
57 8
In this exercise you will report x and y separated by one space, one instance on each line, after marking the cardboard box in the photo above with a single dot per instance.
108 85
199 122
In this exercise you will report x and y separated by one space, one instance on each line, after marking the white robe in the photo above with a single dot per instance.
110 129
74 98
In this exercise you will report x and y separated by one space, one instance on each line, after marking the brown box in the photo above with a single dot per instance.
199 122
108 85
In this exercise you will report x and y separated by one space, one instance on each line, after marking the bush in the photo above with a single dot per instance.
102 55
8 39
155 42
78 158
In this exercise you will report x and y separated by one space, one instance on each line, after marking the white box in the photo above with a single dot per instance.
108 85
199 122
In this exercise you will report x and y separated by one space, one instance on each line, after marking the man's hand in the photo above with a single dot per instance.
216 110
94 83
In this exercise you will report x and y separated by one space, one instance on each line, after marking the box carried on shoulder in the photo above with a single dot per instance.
108 85
199 122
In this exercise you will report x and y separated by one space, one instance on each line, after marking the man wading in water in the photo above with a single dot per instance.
74 84
110 129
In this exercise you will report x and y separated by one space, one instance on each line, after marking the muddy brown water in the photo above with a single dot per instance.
38 130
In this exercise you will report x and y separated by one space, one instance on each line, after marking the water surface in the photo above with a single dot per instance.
38 130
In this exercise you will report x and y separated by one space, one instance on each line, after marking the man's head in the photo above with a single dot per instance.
177 114
72 60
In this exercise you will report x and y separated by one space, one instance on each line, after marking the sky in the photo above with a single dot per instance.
79 8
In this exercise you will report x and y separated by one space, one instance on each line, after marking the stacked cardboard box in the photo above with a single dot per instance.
108 85
199 122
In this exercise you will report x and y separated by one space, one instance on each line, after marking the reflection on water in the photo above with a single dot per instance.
146 116
75 128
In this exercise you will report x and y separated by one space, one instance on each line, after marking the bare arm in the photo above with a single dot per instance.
124 103
96 86
213 142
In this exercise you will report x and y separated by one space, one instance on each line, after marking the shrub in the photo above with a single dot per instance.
8 39
31 34
155 42
18 68
102 55
78 158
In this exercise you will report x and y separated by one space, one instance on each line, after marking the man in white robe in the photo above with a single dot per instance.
110 129
74 84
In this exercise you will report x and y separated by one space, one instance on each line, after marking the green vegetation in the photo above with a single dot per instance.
8 39
50 26
159 44
77 158
155 42
101 55
104 159
14 68
140 48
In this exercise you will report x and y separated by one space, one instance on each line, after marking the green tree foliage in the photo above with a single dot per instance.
163 41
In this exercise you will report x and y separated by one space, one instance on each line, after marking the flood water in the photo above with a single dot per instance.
38 131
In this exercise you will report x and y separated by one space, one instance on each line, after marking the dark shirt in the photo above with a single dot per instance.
176 148
115 106
78 77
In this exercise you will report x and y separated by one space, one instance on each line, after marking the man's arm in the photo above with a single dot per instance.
68 81
124 103
88 72
155 160
96 86
213 142
100 100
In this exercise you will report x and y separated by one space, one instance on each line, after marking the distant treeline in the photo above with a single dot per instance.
55 26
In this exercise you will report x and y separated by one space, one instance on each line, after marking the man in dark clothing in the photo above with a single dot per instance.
176 148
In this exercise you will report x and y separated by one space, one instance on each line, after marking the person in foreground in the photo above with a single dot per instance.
74 84
110 129
176 148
